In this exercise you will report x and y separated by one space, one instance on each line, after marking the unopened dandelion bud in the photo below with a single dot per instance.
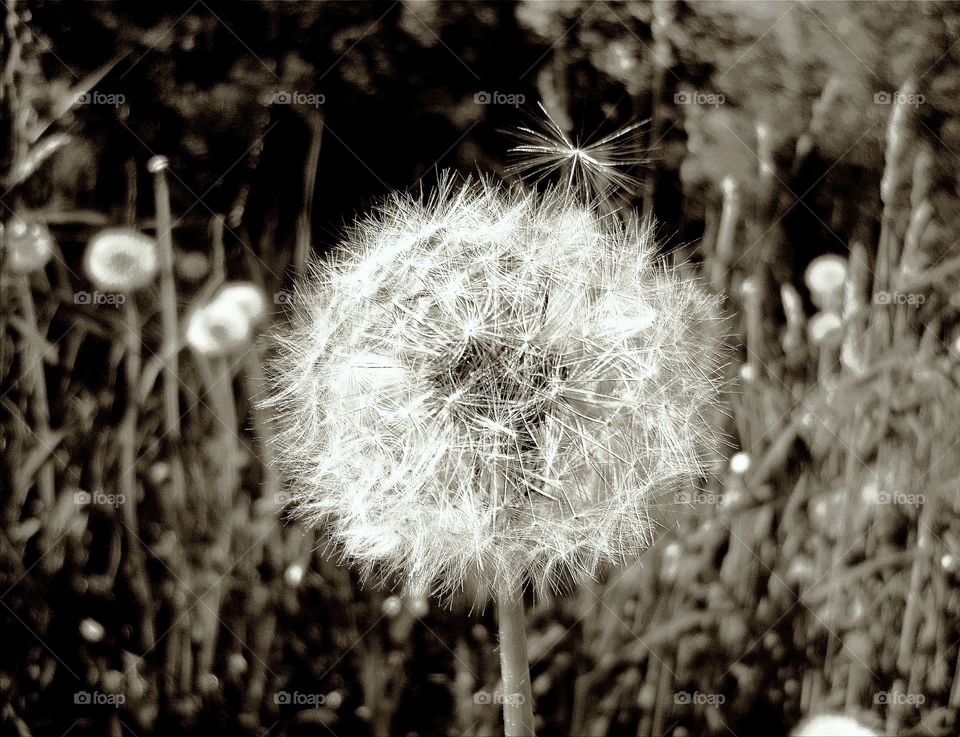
121 260
28 245
491 388
825 277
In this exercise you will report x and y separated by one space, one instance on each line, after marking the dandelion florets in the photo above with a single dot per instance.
492 387
121 260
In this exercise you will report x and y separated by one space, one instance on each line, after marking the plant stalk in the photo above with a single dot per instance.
515 671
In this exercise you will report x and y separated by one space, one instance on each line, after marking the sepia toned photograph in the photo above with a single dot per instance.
569 368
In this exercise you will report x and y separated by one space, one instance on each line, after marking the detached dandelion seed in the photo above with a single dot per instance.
595 171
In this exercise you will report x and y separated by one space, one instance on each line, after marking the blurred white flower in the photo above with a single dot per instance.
832 725
825 278
493 387
121 260
28 245
219 328
247 297
824 327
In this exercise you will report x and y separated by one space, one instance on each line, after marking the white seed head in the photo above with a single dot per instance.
248 298
121 260
825 278
833 725
219 328
28 245
492 388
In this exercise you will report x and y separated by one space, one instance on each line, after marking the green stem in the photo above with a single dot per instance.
515 671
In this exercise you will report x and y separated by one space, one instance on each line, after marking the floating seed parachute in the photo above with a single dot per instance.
492 387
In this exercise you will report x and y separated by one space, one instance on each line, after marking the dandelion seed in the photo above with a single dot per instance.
491 388
594 171
121 260
28 245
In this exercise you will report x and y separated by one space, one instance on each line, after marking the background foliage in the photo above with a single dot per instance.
822 577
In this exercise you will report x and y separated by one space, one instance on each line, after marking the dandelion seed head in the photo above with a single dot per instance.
28 245
825 277
833 725
248 298
218 328
121 260
501 399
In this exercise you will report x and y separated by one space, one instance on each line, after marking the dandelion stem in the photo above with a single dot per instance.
515 671
168 305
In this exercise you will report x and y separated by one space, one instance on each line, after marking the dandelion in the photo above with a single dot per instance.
226 323
492 388
121 260
28 245
833 725
247 297
219 328
826 277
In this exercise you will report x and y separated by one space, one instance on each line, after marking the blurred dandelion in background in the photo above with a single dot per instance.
226 323
28 245
121 259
